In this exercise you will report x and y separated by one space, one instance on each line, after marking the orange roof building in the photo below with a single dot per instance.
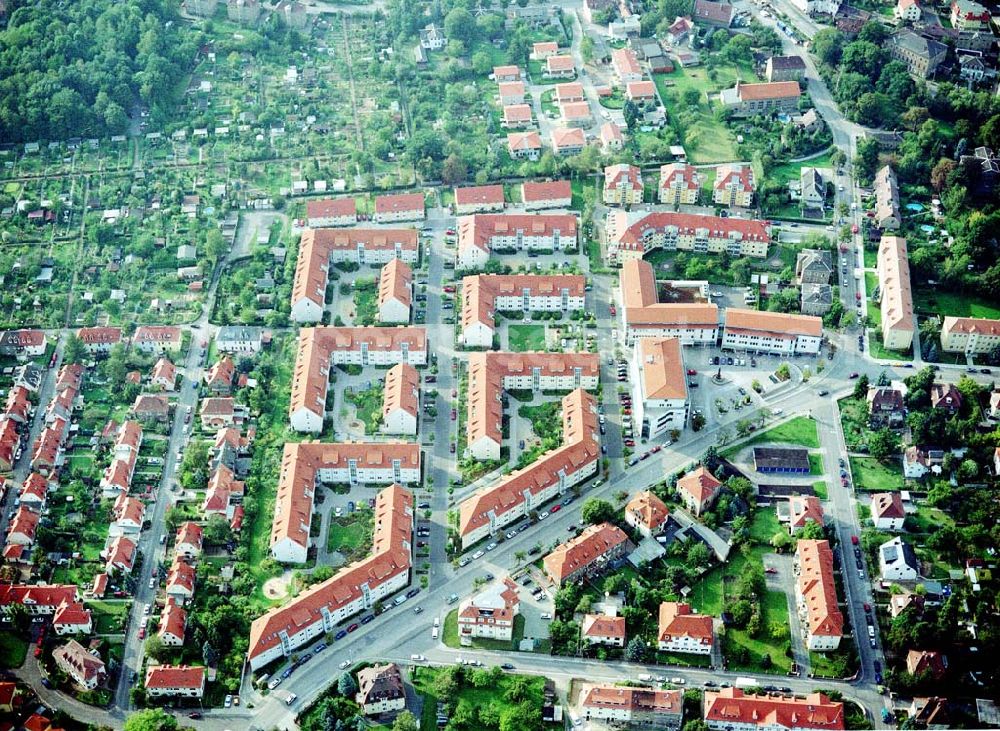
331 212
731 708
320 248
630 235
603 629
483 295
399 207
321 348
180 681
596 549
481 198
778 333
356 587
478 235
680 183
802 510
395 293
524 145
816 596
623 185
492 372
553 194
645 707
893 268
303 465
971 335
517 494
659 386
698 489
99 339
682 630
645 316
401 400
491 612
646 513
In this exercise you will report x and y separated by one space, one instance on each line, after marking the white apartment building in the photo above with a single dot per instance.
481 234
659 386
772 332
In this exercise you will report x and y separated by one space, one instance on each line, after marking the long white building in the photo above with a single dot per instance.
772 332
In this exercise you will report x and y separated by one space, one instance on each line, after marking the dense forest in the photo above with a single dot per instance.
70 69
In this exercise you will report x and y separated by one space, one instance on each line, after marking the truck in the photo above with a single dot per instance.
746 683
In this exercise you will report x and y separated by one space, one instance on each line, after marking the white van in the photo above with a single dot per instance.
434 633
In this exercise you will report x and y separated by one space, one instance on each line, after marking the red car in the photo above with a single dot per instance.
612 310
352 627
38 652
857 296
770 570
450 232
854 229
454 414
656 449
692 372
629 442
142 633
555 509
449 289
854 540
867 607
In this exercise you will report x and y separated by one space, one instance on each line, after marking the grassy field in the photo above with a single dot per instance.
819 487
713 141
13 649
523 337
800 431
854 421
368 404
880 352
109 617
791 170
815 464
870 474
351 535
927 301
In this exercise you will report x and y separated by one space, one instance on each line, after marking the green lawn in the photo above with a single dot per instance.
871 258
522 337
854 422
880 352
870 474
774 616
819 487
815 464
365 302
109 617
13 649
800 431
351 535
792 170
710 141
368 404
932 301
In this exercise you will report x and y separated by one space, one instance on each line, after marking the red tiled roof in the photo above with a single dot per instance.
399 202
887 505
732 706
769 90
677 619
180 676
99 335
555 190
584 550
481 194
648 509
817 588
331 208
602 625
700 484
71 614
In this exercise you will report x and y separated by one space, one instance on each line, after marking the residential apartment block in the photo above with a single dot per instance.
321 348
482 234
180 681
630 235
401 400
646 513
596 549
730 709
356 587
893 269
772 332
659 386
399 207
331 212
643 316
517 494
554 194
479 199
680 183
304 466
395 292
816 596
483 295
970 335
320 248
886 189
634 707
622 185
491 373
734 186
680 629
490 612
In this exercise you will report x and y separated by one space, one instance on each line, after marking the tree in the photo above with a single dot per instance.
827 45
635 651
346 685
811 531
696 724
482 64
861 387
597 511
866 160
698 555
74 352
155 647
150 719
883 444
405 721
217 531
453 170
459 25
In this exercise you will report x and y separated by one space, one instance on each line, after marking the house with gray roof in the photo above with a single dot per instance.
817 299
813 266
921 55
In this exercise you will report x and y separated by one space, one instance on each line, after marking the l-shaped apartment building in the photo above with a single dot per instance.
304 466
483 295
552 474
354 588
319 249
321 348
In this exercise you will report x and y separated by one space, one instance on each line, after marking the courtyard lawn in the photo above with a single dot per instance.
870 474
351 535
368 405
365 302
522 338
927 301
706 594
774 615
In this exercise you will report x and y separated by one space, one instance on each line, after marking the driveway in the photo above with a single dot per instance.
784 581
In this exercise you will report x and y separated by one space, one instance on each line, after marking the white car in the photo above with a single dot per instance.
677 681
291 699
479 554
544 515
491 547
546 616
344 664
417 658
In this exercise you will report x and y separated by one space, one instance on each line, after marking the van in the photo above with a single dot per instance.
437 621
434 633
871 631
